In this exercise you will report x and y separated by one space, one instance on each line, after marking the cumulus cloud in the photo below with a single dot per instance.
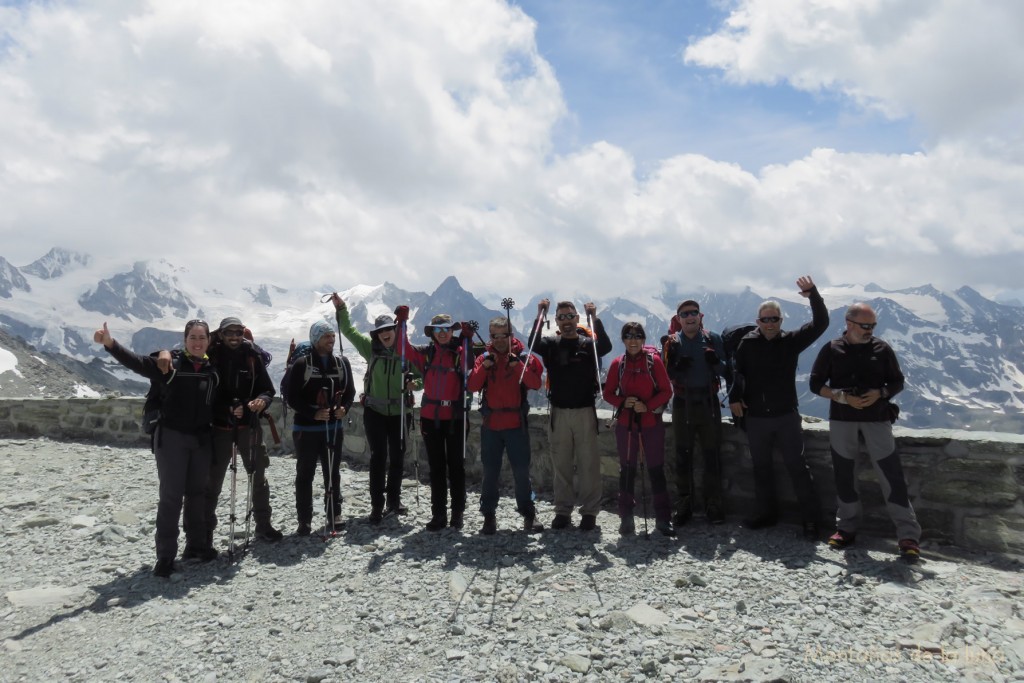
311 142
956 65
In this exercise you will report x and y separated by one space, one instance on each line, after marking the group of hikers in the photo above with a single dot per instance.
207 398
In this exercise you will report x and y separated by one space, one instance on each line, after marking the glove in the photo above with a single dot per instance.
512 359
711 357
401 314
467 330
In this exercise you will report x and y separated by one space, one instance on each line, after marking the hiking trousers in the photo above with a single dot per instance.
444 441
786 432
251 467
323 448
646 445
845 439
574 451
698 421
183 470
515 442
387 459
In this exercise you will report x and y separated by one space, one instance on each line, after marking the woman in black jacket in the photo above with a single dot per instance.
182 386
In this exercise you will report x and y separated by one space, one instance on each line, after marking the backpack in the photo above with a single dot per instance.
154 402
301 350
731 338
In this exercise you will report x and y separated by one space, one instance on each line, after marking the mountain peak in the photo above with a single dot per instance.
11 279
56 262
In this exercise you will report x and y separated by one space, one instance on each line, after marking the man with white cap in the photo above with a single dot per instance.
319 389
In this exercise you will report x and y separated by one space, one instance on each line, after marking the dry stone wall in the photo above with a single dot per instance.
967 487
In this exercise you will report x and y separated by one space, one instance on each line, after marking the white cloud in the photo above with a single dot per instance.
955 65
306 142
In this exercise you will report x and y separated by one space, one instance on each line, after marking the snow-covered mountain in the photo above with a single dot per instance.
962 353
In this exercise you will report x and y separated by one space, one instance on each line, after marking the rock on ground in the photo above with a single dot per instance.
394 602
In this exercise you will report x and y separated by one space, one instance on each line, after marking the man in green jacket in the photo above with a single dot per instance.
383 393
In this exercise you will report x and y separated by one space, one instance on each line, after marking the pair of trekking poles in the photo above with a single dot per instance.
250 471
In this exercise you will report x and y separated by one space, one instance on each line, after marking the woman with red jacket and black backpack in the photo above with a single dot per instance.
638 388
442 416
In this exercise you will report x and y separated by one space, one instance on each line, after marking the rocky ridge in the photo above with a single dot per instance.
395 602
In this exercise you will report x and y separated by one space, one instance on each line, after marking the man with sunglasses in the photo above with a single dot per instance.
244 392
859 373
573 373
694 358
501 375
764 394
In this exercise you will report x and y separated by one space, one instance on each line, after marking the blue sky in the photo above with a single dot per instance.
623 76
717 144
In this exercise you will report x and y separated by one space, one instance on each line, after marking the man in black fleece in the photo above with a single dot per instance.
764 393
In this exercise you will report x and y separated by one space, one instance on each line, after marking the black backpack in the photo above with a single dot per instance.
731 338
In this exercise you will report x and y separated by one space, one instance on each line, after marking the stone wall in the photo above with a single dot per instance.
967 487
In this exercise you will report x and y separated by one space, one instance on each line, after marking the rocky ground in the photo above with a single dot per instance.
397 603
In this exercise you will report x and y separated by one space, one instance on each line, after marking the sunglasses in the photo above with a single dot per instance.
497 337
442 330
231 333
863 326
688 314
769 319
634 336
566 316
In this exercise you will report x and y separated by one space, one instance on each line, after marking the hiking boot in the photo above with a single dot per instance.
531 526
201 554
376 515
842 539
490 526
164 567
436 523
760 522
588 522
561 522
664 527
456 522
910 551
627 527
395 509
812 532
683 514
714 512
304 529
268 533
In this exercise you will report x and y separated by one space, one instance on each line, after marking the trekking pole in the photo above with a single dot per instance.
401 411
641 456
329 478
475 326
254 443
234 477
591 322
466 396
538 324
411 418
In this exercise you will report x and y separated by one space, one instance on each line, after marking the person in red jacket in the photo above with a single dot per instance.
501 375
639 389
442 415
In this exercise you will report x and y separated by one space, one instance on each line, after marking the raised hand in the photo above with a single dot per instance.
102 336
806 284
